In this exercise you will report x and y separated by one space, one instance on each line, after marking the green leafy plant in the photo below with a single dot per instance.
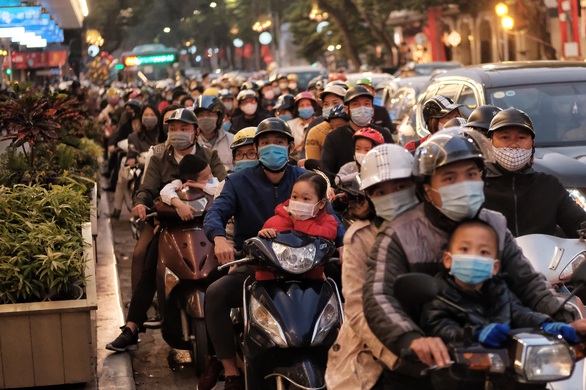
41 246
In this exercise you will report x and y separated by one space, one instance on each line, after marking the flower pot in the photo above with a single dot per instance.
50 343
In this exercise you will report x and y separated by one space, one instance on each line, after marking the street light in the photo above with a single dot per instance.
507 24
501 9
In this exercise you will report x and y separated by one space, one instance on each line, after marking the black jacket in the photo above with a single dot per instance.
533 202
339 148
381 118
239 122
494 303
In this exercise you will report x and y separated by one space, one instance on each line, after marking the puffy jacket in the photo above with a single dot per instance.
141 142
357 358
221 146
251 198
414 242
533 202
315 139
162 168
493 303
239 122
323 224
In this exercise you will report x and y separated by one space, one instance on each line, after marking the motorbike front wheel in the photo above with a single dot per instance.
199 346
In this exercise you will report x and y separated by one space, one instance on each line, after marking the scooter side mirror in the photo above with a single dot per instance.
579 276
415 289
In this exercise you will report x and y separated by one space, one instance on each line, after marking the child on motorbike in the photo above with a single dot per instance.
473 283
304 211
193 172
364 140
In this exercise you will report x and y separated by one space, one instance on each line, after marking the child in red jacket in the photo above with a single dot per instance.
305 211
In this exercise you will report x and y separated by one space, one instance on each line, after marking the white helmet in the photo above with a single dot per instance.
385 162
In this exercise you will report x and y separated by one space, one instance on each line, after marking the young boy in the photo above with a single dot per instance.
473 284
193 172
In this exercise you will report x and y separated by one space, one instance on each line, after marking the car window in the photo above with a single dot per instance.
396 104
558 111
467 100
449 90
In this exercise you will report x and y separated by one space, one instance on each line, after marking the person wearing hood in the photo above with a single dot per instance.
210 112
533 202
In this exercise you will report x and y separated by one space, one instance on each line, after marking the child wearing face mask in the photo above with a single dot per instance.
365 139
193 172
473 283
305 211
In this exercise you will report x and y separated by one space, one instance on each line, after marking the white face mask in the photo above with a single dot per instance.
269 94
301 211
391 205
512 159
249 108
228 106
359 157
461 200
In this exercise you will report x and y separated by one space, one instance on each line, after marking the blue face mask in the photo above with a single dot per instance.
274 157
472 269
461 200
242 164
226 126
306 113
286 117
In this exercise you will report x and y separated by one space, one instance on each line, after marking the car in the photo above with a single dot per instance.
304 74
376 78
552 93
426 68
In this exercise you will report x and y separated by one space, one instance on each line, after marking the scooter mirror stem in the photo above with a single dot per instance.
227 265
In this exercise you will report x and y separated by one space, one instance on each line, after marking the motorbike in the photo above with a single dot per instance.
186 260
531 357
558 259
291 312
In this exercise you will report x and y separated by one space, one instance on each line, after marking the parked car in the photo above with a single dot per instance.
552 93
376 78
304 74
425 68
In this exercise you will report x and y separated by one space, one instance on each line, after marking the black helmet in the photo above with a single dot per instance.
480 118
211 103
511 117
183 115
285 102
444 148
438 106
356 92
273 125
338 112
249 85
457 122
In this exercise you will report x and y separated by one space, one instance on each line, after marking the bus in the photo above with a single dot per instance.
151 62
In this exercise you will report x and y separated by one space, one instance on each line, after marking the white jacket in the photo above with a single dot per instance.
221 146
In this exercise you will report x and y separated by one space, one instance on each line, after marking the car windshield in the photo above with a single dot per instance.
558 110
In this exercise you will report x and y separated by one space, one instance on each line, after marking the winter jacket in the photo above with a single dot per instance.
322 225
382 118
493 303
533 202
251 198
141 142
162 168
339 148
239 122
414 242
221 146
299 131
357 358
315 140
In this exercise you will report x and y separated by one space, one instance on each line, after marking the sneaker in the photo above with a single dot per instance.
234 383
209 378
154 322
127 341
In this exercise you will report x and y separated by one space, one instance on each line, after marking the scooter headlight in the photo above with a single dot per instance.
328 318
265 321
541 359
295 260
567 272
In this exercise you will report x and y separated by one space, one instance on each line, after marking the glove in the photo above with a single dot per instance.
561 329
494 335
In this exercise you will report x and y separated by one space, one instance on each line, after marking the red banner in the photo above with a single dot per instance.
35 60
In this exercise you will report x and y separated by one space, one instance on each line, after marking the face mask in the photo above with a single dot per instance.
274 157
169 98
283 86
512 159
326 112
211 186
292 85
472 269
249 108
150 122
306 113
391 205
226 126
243 164
165 129
286 117
207 125
301 211
461 200
228 106
362 115
180 140
359 157
269 94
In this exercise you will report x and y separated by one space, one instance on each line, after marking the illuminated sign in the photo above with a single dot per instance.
152 59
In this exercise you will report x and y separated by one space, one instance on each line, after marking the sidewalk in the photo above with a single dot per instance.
114 370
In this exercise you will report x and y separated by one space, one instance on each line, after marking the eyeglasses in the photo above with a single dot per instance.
250 155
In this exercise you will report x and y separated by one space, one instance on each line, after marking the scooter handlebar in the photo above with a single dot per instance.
239 261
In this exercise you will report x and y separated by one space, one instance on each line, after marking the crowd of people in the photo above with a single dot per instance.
450 204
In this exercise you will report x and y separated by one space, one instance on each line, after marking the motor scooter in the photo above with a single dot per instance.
531 357
186 259
558 259
291 312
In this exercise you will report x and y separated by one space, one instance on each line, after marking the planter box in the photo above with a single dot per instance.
50 343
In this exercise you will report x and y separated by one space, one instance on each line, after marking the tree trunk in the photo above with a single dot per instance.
378 32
